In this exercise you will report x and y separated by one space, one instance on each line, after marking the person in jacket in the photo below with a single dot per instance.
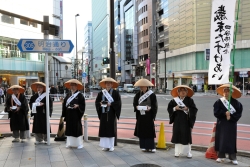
38 111
17 107
226 127
182 113
72 111
145 108
108 107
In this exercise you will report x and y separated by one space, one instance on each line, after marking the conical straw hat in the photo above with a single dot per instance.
79 84
235 94
102 82
143 82
10 90
34 86
174 92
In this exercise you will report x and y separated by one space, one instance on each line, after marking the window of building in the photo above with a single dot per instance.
7 19
146 31
146 19
146 7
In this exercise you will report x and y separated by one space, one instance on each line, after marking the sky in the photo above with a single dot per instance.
70 9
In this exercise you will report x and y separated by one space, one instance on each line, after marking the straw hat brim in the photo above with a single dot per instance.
235 94
10 91
103 85
174 92
34 86
75 81
143 82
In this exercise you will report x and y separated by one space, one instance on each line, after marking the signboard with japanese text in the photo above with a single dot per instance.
45 46
221 40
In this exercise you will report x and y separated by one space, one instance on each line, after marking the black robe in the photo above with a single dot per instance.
183 123
145 127
226 130
73 117
107 127
40 121
19 119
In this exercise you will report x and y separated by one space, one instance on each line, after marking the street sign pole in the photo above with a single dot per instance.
46 36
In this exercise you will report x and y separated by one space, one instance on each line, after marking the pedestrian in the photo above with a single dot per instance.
108 106
17 108
1 95
72 111
38 106
53 92
182 113
248 88
145 108
226 127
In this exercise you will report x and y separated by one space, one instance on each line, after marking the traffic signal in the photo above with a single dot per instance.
105 60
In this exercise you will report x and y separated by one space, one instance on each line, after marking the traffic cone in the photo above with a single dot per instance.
61 131
161 140
211 153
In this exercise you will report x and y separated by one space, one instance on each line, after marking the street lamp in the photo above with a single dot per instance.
76 75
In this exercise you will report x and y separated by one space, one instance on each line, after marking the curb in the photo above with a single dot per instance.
134 141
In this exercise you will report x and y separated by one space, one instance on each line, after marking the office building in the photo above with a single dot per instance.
184 36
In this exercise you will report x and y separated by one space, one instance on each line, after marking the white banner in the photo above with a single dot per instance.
221 40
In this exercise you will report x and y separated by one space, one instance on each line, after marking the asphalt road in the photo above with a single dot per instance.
204 104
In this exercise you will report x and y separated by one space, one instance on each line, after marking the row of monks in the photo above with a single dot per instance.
182 113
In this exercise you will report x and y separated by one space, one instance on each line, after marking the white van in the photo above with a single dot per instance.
128 88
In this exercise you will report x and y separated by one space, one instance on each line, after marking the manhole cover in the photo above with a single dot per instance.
145 165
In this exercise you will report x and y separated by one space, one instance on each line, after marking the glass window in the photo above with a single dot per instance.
7 19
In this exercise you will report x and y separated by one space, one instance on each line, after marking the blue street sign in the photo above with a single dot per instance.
84 74
45 46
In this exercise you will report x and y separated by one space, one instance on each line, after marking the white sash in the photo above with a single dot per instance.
37 102
145 96
107 95
16 100
71 98
226 103
40 97
180 103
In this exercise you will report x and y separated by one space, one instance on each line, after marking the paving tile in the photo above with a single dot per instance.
88 162
12 163
59 164
14 156
2 163
54 158
75 163
130 160
43 165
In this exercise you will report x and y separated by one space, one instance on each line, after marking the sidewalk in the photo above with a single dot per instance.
125 155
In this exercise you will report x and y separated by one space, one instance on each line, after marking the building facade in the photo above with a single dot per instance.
88 44
128 41
100 25
16 67
184 36
146 27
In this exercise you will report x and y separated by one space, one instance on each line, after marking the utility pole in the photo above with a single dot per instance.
112 40
112 53
165 79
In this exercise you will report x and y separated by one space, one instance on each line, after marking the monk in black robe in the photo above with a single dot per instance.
226 127
145 127
17 107
38 106
108 109
183 116
73 110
